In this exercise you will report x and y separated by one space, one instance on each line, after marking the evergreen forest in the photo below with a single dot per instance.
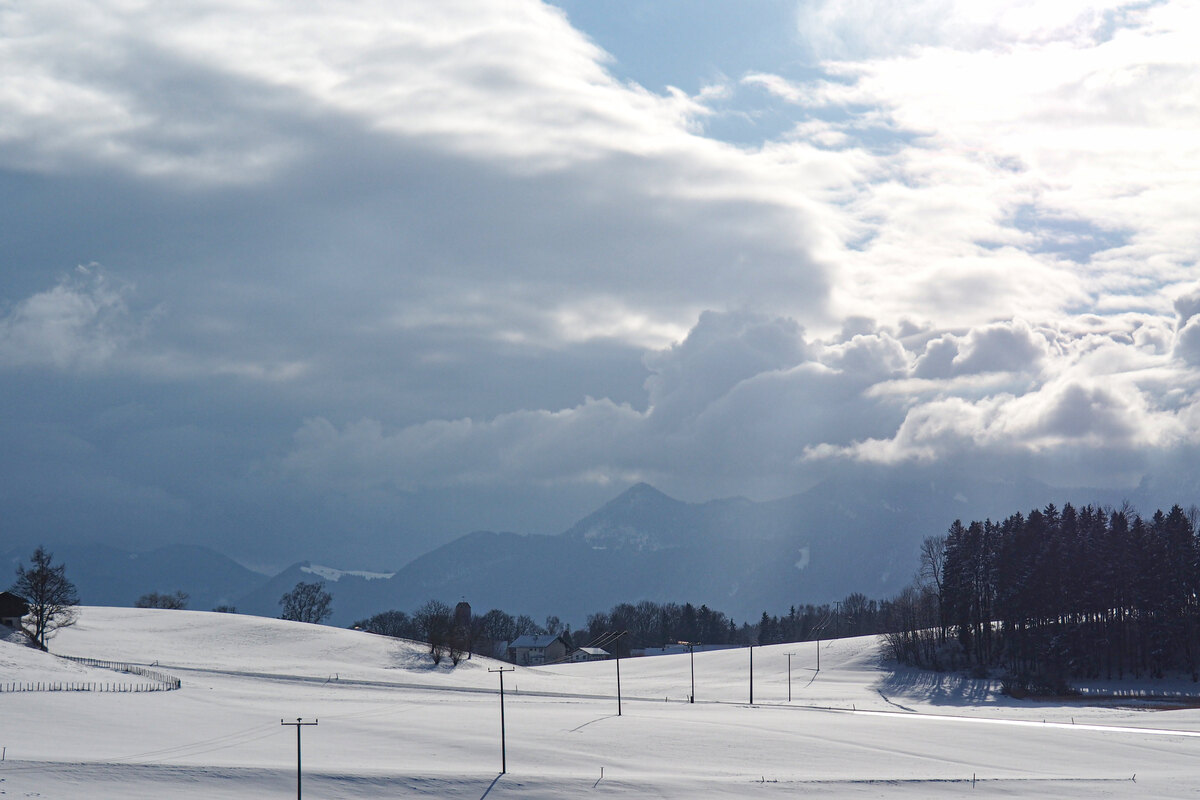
1052 595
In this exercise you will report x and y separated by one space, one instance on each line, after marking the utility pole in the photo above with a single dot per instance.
818 630
751 674
618 652
691 646
618 683
503 747
298 724
789 656
692 658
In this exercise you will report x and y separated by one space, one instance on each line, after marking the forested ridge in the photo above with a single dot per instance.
1036 598
1076 593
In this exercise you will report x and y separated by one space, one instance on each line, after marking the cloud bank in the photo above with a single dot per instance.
746 404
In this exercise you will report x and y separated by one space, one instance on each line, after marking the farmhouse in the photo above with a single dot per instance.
12 608
528 651
590 654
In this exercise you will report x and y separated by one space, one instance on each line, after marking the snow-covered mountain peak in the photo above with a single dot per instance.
332 575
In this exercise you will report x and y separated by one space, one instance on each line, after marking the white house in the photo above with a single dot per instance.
529 651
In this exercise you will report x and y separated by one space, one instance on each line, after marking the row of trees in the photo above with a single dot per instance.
448 636
1086 592
647 625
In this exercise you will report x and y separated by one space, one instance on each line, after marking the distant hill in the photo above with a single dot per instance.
356 595
736 555
847 534
108 576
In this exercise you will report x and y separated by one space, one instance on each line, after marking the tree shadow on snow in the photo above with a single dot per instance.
417 661
941 688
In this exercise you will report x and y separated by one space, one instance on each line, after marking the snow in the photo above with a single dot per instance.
392 724
333 575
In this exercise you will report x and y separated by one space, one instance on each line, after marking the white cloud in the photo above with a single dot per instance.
1010 159
852 29
721 351
468 161
875 356
79 324
745 404
1004 347
583 444
1187 341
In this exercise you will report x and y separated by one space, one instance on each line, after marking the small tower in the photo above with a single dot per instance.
461 635
462 614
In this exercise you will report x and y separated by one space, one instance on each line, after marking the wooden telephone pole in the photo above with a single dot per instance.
299 723
503 747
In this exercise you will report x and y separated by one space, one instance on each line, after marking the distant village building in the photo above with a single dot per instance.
680 647
529 651
590 654
12 608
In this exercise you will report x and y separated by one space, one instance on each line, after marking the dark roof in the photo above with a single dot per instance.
12 605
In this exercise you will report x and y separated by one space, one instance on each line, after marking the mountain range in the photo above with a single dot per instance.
739 556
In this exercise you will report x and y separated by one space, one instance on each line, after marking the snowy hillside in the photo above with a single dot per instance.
393 725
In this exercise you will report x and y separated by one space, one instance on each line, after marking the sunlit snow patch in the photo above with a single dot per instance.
332 575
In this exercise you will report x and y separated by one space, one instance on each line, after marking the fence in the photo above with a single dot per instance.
162 682
72 686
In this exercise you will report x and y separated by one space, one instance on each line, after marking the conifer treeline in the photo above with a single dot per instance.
1084 593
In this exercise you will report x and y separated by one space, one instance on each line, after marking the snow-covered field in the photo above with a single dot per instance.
393 725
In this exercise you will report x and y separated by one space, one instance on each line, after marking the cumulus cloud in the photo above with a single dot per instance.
1004 347
1187 327
79 324
875 356
719 352
1187 342
745 403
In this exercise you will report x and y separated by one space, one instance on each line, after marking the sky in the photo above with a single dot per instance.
314 280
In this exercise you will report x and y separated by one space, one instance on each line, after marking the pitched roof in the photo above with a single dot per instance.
594 651
543 640
12 605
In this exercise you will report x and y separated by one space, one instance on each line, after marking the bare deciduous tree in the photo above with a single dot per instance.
307 602
933 561
435 621
176 600
51 597
389 623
